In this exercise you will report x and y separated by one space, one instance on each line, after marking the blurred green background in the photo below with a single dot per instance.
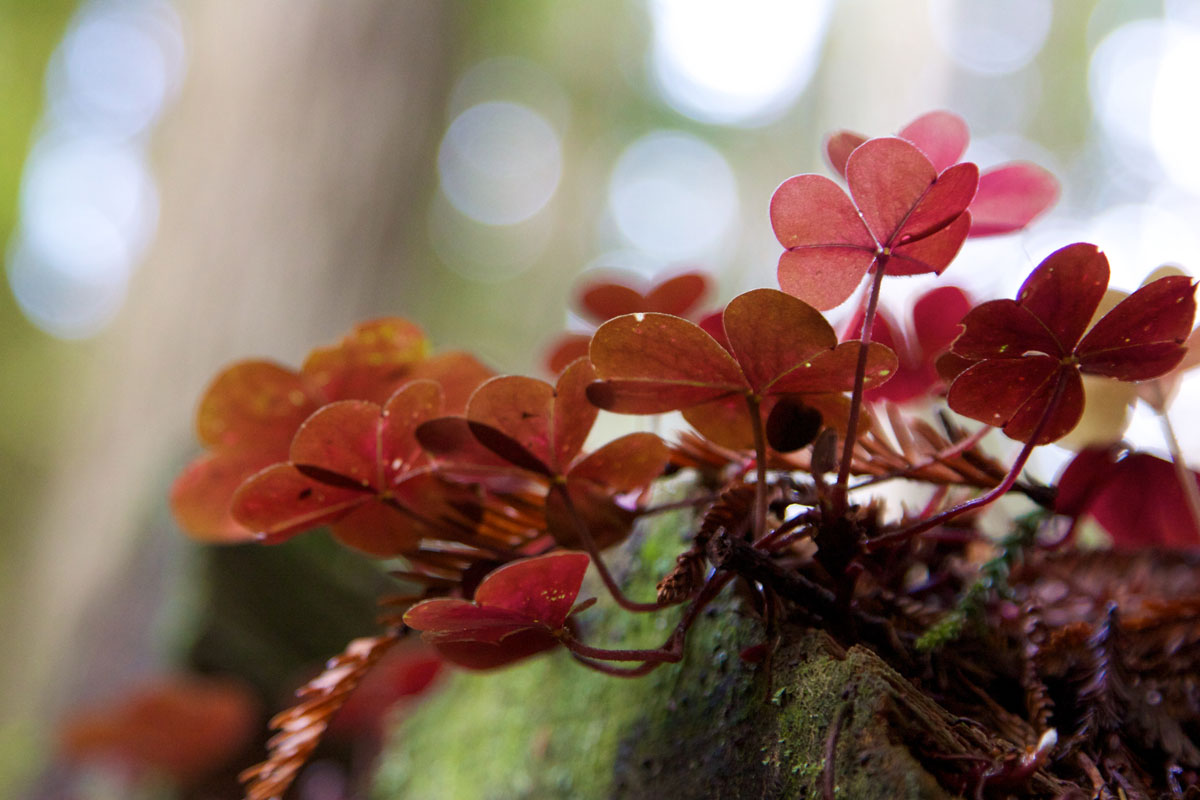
183 184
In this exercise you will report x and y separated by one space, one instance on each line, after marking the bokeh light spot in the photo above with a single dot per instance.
673 196
989 37
500 162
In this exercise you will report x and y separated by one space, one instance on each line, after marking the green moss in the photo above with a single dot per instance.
710 726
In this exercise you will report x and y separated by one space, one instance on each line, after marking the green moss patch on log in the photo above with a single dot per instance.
711 726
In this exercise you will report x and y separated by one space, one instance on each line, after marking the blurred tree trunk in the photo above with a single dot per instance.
289 173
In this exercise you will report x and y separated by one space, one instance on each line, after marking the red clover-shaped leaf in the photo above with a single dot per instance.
518 610
903 213
615 295
1010 196
1137 498
346 457
1024 349
777 345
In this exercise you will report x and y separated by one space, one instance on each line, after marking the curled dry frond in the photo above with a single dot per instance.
300 727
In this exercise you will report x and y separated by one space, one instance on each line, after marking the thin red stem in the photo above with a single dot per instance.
760 466
589 546
619 672
905 534
856 397
666 653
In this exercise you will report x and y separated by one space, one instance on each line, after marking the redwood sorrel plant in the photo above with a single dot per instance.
483 487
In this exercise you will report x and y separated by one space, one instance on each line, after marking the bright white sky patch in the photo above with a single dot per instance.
735 63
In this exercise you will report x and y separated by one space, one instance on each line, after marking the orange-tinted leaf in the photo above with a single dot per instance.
458 373
520 408
569 347
342 438
624 464
616 294
725 421
186 727
678 295
281 501
651 363
833 370
603 300
254 404
573 415
770 332
201 495
369 363
413 404
382 531
461 456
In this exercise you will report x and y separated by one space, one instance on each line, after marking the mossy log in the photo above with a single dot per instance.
711 726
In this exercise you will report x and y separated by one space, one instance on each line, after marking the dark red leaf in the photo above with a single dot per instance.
1083 478
1064 292
1016 393
1142 504
792 425
1003 329
516 612
1142 336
